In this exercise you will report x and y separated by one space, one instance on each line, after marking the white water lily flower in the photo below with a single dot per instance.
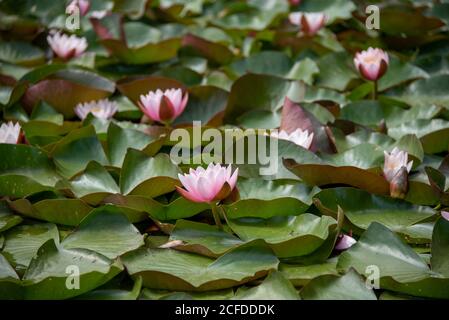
10 133
310 22
299 137
394 161
101 109
67 47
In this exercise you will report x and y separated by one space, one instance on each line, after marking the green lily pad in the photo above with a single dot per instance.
106 231
21 53
300 275
362 209
94 184
401 269
67 212
180 208
348 287
148 176
292 236
22 243
64 89
175 270
205 104
73 153
425 92
266 199
339 172
274 287
203 239
49 273
434 134
7 218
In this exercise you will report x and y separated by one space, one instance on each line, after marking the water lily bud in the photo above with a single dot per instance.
208 185
394 161
67 47
163 106
10 133
299 137
344 242
399 184
310 22
101 109
372 63
82 5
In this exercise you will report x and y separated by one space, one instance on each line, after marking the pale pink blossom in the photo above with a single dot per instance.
10 133
310 22
372 63
163 106
67 47
82 5
208 185
299 137
394 161
101 109
345 242
445 215
171 244
99 14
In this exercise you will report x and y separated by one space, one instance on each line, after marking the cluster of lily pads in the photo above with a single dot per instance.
92 206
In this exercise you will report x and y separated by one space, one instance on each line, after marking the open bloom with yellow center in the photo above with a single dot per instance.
101 109
310 22
301 138
10 133
394 161
163 106
208 185
82 5
372 63
67 47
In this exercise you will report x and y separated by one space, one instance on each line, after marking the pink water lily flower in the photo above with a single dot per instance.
163 106
310 22
294 2
394 161
101 109
99 14
82 5
67 47
299 137
445 215
345 242
208 185
10 133
372 63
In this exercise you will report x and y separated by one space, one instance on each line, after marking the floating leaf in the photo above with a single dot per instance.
174 270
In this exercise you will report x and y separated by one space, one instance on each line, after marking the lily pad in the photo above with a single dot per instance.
362 209
49 272
175 270
292 236
106 231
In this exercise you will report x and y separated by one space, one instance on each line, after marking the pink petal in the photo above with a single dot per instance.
445 215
